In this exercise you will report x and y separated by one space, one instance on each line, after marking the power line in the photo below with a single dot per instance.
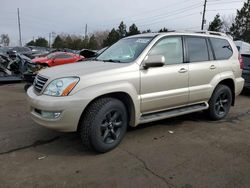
164 16
218 3
175 18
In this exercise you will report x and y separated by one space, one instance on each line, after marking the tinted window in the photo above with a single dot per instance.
222 48
21 49
51 56
197 49
170 48
63 56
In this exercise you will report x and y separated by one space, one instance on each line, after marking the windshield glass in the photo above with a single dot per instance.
51 56
125 50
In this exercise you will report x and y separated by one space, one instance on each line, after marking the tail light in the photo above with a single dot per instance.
241 62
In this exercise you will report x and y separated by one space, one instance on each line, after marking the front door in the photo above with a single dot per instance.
167 86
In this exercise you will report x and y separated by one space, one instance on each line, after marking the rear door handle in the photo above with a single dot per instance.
212 67
182 70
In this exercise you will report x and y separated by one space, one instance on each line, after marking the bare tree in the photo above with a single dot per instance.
5 40
227 22
100 36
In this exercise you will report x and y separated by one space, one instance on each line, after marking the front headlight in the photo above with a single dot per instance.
61 86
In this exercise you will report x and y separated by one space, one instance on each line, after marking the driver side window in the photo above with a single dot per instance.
170 48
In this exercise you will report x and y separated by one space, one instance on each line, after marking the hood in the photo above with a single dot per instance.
81 69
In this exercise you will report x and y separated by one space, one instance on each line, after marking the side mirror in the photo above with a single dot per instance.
153 61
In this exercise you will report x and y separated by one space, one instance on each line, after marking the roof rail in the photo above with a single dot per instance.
212 33
204 32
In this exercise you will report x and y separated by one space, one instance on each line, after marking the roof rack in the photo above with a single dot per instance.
212 33
203 32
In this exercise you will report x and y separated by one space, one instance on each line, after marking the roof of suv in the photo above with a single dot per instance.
197 33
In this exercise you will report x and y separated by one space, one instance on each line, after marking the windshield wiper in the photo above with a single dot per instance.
111 60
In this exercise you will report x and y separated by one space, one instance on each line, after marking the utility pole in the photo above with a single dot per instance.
49 40
19 27
203 16
86 30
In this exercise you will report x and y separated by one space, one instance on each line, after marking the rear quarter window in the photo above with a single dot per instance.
222 48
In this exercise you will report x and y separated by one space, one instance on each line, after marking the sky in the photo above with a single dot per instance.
41 17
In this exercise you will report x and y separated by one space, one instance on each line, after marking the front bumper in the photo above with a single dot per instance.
70 107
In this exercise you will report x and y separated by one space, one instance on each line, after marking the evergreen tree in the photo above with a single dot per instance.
241 27
216 24
92 43
41 42
68 42
85 42
163 30
112 38
58 42
133 30
31 43
147 31
122 30
77 44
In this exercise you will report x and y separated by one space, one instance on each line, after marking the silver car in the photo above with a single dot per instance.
139 79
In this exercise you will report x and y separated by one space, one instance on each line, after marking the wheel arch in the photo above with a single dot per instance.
230 83
124 97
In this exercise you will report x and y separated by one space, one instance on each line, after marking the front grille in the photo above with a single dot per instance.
39 82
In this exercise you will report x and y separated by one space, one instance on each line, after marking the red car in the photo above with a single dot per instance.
58 58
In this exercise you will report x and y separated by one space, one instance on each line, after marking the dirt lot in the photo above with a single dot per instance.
199 153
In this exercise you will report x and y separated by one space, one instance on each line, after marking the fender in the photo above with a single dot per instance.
91 93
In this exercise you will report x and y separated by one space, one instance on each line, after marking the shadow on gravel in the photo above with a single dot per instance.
175 121
69 144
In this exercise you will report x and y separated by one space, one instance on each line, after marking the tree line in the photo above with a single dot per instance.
238 27
97 40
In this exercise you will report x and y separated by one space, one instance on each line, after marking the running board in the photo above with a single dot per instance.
173 112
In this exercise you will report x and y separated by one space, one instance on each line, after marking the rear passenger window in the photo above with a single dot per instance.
222 48
197 49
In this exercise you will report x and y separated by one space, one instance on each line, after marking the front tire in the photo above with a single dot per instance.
220 102
104 124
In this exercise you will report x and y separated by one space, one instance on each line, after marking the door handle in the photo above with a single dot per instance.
212 67
182 70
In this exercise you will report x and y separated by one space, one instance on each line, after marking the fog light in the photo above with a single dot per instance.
50 115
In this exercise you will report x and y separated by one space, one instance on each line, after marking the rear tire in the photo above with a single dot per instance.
220 102
104 124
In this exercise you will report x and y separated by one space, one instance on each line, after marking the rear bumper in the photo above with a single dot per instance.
246 76
239 84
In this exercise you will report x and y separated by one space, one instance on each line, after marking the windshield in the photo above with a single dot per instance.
125 50
51 56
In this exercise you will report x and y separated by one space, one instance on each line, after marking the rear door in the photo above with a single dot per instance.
203 70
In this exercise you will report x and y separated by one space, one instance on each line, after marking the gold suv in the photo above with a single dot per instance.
139 79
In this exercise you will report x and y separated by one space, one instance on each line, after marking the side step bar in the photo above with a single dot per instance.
173 112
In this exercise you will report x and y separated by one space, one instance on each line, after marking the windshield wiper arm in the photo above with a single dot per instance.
111 60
